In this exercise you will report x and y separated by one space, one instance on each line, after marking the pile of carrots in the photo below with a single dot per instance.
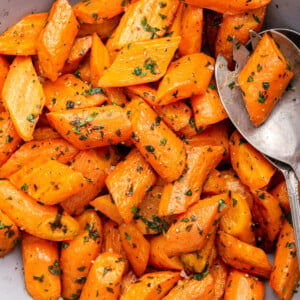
121 176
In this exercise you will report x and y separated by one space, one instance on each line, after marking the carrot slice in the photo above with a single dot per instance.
45 133
21 38
190 75
4 68
219 271
281 194
116 96
175 29
140 62
56 39
24 103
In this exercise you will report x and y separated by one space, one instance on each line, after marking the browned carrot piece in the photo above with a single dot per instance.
137 248
190 130
151 286
188 76
9 234
69 92
106 206
56 39
241 285
116 96
159 259
78 51
190 231
4 68
128 183
128 279
104 279
84 72
92 127
9 139
191 288
48 181
52 149
264 79
23 96
191 30
181 194
281 194
144 20
21 38
45 133
78 254
230 8
250 165
175 29
243 256
219 271
237 26
95 165
159 145
141 62
208 108
285 274
41 267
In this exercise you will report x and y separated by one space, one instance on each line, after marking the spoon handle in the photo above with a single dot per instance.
293 191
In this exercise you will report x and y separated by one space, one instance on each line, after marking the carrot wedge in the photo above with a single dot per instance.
56 39
219 271
24 102
45 133
141 62
4 68
281 194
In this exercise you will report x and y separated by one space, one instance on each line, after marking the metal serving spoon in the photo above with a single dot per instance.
278 138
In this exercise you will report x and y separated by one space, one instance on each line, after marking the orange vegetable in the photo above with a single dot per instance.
47 222
159 145
240 285
95 165
158 257
99 60
231 8
151 286
127 280
141 62
191 30
69 92
104 279
237 26
285 273
106 206
181 194
128 183
4 68
116 96
281 194
250 165
92 127
219 272
137 248
52 149
190 130
264 79
208 108
84 72
188 76
23 96
41 267
78 254
190 231
243 256
48 181
193 289
175 29
9 234
45 133
56 39
144 20
21 38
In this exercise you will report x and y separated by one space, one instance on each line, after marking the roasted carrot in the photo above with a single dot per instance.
56 39
219 271
188 76
175 29
52 149
25 101
47 222
92 127
190 130
41 267
116 96
264 79
78 254
191 30
104 278
250 165
84 72
240 285
45 133
128 279
190 231
21 38
184 192
243 256
281 194
159 145
4 68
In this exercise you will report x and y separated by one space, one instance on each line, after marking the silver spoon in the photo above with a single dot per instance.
278 138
